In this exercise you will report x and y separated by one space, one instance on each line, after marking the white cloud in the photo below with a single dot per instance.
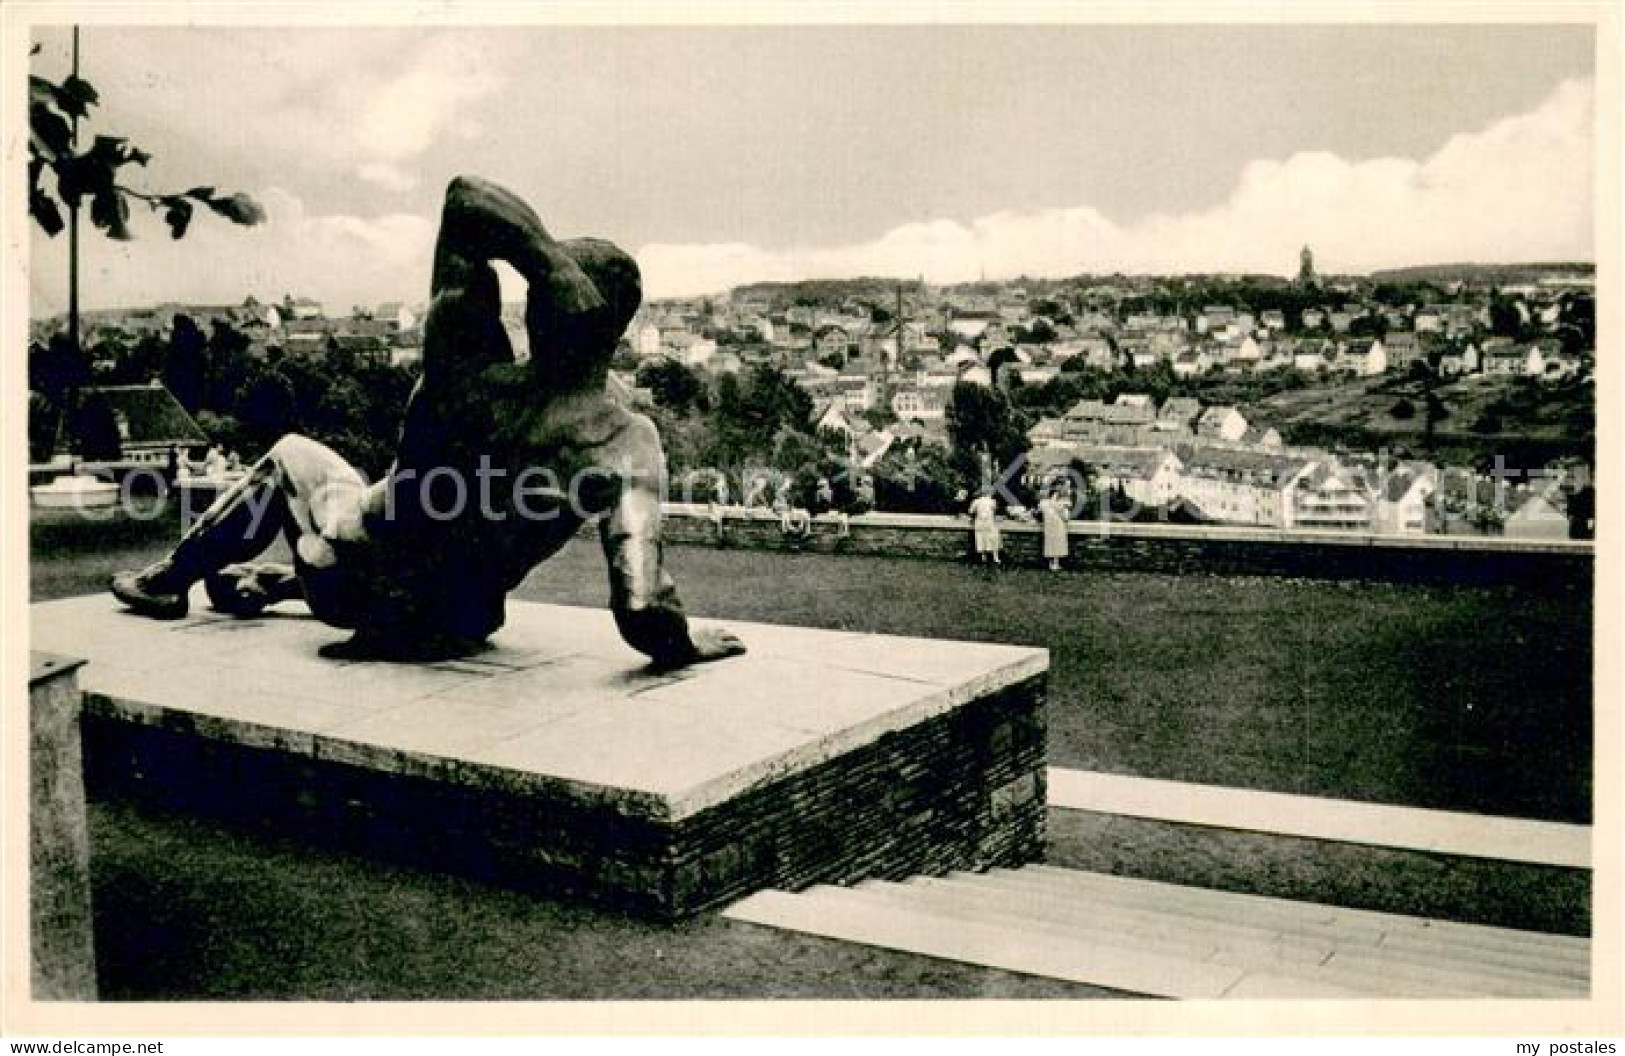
389 177
406 114
1520 189
402 116
338 258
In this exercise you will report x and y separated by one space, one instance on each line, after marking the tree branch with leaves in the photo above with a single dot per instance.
93 175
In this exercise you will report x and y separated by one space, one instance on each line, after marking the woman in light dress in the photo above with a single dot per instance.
984 516
1055 509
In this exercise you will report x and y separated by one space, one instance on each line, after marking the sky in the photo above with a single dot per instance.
724 155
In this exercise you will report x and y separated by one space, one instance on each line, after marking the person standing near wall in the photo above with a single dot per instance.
984 516
1053 510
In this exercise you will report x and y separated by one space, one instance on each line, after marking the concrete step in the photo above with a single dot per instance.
1044 899
1411 972
1371 824
1476 981
1171 941
1508 952
1233 944
1541 949
1498 961
860 916
1128 932
1258 951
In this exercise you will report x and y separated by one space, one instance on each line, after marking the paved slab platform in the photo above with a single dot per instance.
560 758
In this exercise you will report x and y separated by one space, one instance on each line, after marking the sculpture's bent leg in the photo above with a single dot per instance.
300 488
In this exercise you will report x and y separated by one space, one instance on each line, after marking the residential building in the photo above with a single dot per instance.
301 308
1402 501
831 414
1214 317
1460 359
1148 476
1261 436
927 404
1179 414
1330 497
832 340
1049 432
1239 355
1312 355
724 363
1221 423
1505 358
1364 356
1236 486
857 391
1189 364
1403 348
1536 514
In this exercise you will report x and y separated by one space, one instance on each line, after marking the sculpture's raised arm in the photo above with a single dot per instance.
481 222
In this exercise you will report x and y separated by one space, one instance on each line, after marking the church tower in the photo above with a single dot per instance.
1306 267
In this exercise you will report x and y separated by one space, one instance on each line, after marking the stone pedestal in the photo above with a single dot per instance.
64 950
559 762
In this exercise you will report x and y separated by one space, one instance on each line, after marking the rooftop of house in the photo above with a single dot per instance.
148 414
1115 413
1526 502
1237 462
1140 463
1258 434
1396 485
1216 416
1180 409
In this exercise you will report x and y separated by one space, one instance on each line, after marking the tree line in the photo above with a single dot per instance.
242 401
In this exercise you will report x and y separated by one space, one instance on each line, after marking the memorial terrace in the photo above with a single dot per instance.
1240 696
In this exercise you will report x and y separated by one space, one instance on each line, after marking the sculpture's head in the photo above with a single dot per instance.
617 277
580 357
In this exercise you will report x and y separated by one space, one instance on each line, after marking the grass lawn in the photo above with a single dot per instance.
1474 699
1471 699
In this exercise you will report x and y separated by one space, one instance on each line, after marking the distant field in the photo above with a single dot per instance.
1474 699
1558 417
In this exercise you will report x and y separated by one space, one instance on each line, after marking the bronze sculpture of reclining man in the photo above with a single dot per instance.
408 563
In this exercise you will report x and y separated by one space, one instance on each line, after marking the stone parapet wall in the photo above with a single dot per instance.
1169 549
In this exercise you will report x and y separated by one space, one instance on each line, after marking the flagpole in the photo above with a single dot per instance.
73 219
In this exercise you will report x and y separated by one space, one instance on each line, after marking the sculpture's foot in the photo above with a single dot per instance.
145 592
245 590
364 646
